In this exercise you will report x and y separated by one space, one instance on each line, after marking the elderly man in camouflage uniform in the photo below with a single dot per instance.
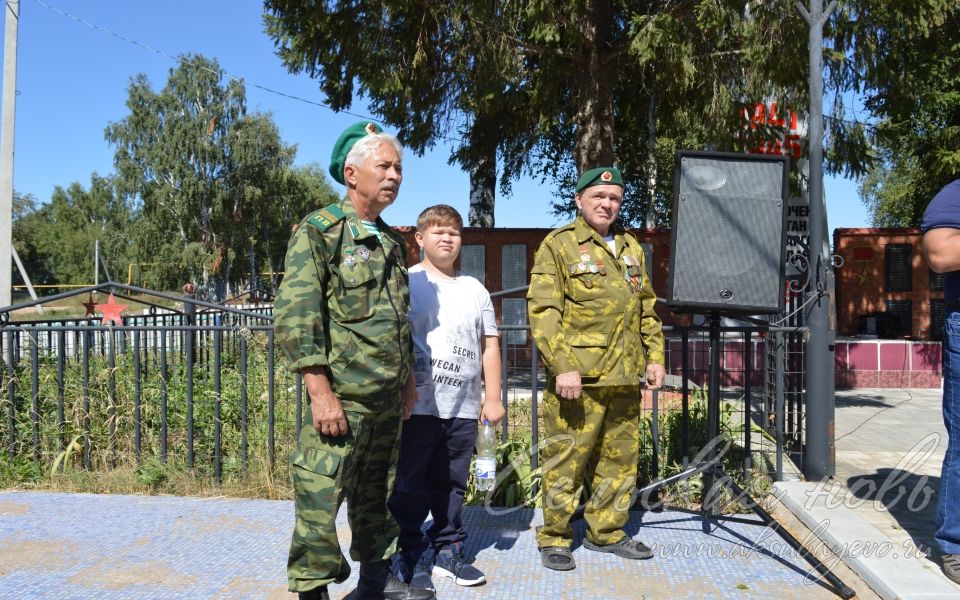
591 312
341 319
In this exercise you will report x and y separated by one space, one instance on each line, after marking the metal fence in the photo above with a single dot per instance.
203 384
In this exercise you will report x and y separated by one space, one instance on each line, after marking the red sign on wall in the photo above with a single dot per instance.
786 127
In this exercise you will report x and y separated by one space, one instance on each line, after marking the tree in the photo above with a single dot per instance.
28 222
906 61
74 220
199 169
548 88
557 88
429 69
300 191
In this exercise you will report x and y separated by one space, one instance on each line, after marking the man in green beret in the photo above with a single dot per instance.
341 320
591 307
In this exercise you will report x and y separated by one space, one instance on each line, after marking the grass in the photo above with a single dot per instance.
519 486
113 464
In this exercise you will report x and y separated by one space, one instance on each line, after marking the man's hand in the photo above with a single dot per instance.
328 417
325 408
655 375
568 385
492 411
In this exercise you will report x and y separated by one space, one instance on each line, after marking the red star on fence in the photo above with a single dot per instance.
90 306
111 311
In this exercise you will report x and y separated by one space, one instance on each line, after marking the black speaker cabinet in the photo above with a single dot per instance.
727 243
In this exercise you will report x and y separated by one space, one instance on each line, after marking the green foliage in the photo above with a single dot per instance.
890 192
547 88
19 472
516 477
199 169
670 442
152 473
73 220
64 457
904 60
193 171
27 223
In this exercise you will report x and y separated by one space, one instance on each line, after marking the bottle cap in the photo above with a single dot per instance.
486 422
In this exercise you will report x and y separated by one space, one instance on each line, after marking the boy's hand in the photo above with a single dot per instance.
655 375
492 411
409 396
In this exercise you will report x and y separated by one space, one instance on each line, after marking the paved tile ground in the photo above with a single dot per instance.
90 546
890 446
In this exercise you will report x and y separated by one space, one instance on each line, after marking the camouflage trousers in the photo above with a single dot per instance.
591 440
358 467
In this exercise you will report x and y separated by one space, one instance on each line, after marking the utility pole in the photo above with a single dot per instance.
12 22
819 456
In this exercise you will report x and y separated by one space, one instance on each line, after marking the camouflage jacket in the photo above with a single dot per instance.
343 303
591 312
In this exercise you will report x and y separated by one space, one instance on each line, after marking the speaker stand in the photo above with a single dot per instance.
715 480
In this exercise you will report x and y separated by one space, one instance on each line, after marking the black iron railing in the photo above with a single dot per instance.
202 384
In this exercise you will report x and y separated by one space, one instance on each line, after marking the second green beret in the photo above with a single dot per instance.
600 176
341 148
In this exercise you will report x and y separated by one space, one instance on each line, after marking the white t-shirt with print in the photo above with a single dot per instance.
448 318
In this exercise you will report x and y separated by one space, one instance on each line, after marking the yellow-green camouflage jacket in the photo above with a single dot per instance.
591 312
343 303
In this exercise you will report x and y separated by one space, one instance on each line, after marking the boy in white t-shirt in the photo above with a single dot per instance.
455 340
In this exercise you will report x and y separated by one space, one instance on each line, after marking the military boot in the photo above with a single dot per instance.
319 593
378 583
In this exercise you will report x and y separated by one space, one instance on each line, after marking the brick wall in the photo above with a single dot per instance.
862 281
861 288
493 241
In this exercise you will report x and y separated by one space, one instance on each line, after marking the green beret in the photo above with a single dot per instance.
341 148
600 176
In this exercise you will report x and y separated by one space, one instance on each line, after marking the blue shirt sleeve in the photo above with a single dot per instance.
944 209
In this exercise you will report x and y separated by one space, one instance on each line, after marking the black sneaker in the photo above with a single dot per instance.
420 577
951 567
450 562
404 564
378 583
624 548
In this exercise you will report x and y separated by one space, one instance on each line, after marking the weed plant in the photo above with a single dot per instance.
112 459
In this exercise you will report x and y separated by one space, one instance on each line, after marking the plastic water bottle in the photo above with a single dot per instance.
485 471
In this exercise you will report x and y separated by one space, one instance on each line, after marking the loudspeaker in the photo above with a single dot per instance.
727 241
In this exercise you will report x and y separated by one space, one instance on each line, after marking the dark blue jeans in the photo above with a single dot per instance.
432 477
948 513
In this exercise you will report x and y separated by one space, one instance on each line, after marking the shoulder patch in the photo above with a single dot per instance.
326 217
559 230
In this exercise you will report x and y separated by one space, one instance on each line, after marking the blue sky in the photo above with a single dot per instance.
72 81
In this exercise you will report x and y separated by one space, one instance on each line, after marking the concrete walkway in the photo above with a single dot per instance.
90 546
878 513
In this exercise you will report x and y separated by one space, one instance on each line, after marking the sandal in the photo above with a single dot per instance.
624 548
557 558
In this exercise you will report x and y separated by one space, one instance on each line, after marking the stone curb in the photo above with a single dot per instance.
882 564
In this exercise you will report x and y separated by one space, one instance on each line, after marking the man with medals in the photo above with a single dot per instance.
591 308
